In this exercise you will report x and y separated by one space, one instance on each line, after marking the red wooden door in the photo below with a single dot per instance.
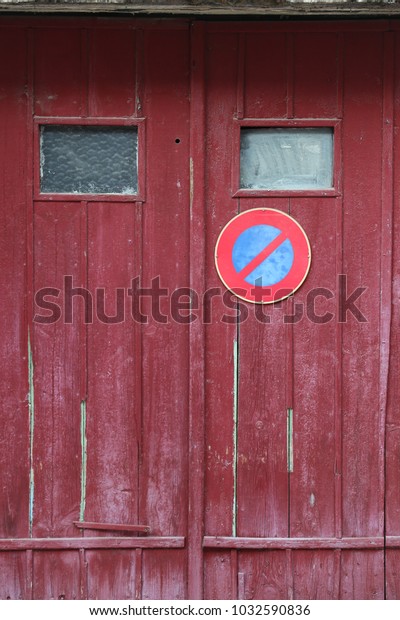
251 441
294 491
105 440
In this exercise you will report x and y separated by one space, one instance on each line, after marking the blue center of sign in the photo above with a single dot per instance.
252 243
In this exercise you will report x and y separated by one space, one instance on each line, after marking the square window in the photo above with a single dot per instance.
286 158
88 159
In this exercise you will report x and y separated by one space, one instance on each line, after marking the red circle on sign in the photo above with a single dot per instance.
288 229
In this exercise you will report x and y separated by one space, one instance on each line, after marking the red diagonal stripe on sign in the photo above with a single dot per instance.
257 260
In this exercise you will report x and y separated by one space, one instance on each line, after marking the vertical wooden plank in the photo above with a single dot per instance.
241 583
362 441
29 574
83 586
164 471
262 475
138 573
290 112
59 246
338 422
59 72
235 585
362 575
312 483
14 442
221 337
264 575
314 575
315 75
59 233
12 576
392 569
112 77
164 575
16 389
112 419
111 574
393 393
197 331
56 575
218 576
266 71
388 415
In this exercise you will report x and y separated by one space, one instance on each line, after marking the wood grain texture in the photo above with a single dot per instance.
13 575
312 483
392 565
315 75
267 65
122 394
197 244
316 542
218 576
112 527
113 428
111 574
221 337
264 575
60 73
94 542
164 575
262 476
393 414
59 232
14 388
111 72
165 232
242 8
362 456
56 575
314 575
362 575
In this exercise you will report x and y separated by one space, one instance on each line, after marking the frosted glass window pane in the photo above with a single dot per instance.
77 159
286 158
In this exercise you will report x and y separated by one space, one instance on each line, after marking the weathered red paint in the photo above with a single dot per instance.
166 444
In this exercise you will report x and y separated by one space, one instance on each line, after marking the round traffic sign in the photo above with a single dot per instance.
262 255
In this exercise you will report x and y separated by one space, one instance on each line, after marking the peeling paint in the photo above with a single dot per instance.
42 155
235 432
31 408
191 187
83 461
289 422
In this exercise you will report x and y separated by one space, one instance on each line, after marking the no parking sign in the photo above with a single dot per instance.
263 255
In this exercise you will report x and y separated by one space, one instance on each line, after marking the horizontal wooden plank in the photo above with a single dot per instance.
108 542
112 527
393 542
239 7
228 542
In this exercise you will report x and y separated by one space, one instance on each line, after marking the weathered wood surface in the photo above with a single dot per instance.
334 495
184 430
216 7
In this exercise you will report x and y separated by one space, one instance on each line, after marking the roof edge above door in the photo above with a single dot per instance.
225 8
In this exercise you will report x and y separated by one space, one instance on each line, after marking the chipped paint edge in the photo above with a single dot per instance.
31 410
235 436
191 186
289 422
83 461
